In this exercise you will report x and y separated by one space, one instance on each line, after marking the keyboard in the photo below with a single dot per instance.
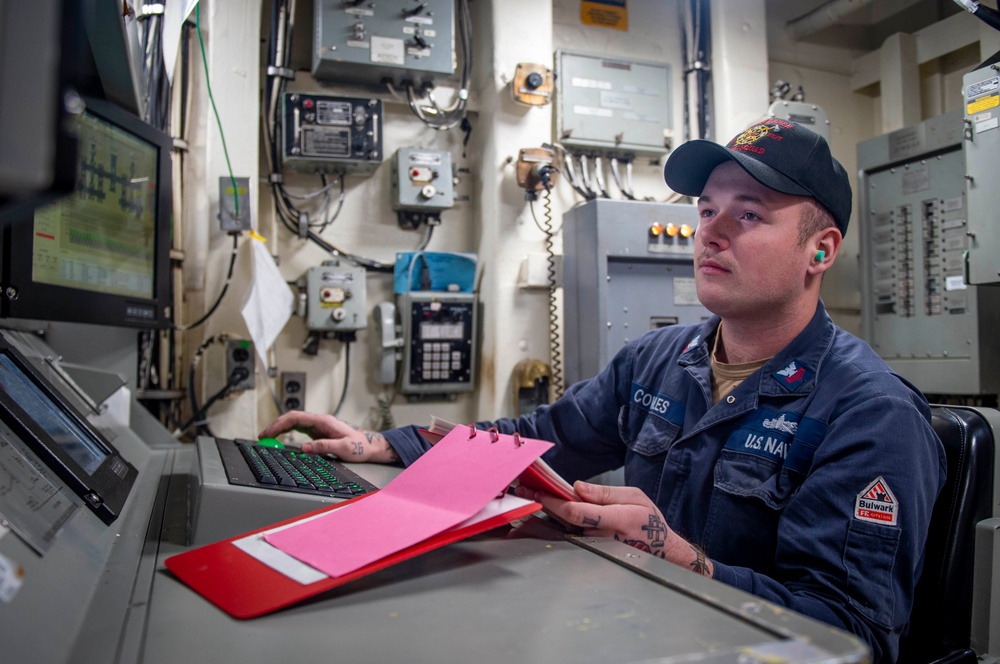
287 469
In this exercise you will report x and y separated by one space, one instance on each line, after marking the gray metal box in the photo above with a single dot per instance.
324 134
439 342
390 40
917 309
336 297
621 280
981 89
422 180
618 106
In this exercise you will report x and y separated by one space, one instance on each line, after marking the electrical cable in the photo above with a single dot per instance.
196 410
618 181
215 111
570 171
203 429
987 15
222 293
347 376
293 219
599 177
433 115
555 350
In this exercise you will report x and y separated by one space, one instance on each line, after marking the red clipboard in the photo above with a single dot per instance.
244 587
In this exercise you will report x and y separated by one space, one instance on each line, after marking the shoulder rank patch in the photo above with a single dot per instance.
877 504
793 374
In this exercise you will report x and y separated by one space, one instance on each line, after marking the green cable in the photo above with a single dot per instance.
225 150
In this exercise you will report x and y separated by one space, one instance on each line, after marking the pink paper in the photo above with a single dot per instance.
450 483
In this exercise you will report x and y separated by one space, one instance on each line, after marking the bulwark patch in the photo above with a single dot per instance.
877 504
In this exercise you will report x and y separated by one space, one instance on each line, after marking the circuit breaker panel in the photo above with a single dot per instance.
918 310
368 42
628 267
981 89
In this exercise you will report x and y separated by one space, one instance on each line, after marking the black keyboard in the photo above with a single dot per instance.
286 469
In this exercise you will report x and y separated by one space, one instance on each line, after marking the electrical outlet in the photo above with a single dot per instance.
292 393
240 360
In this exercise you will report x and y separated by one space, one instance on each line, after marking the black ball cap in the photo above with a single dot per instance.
781 155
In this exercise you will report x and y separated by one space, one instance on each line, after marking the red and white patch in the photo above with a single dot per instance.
877 504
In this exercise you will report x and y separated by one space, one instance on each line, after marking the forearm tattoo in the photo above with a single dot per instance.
373 437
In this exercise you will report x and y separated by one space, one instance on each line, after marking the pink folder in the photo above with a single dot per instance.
449 484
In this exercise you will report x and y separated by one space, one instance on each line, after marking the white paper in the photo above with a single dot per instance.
268 303
174 15
257 547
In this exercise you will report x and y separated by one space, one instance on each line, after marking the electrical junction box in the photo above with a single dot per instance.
618 107
368 42
232 220
335 293
324 134
628 267
422 180
918 310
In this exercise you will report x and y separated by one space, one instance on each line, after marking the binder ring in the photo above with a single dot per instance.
517 440
494 434
472 431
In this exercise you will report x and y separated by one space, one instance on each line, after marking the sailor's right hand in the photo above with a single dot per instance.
333 436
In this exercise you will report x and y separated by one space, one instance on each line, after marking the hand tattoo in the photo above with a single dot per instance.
642 546
590 521
700 564
656 531
359 448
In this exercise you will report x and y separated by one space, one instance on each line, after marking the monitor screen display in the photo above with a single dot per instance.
102 237
100 254
79 444
35 414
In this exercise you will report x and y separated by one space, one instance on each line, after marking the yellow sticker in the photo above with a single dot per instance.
257 236
983 103
604 13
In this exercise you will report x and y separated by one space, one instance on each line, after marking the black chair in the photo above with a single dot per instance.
940 623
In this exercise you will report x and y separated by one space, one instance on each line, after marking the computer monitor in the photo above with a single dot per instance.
101 254
33 414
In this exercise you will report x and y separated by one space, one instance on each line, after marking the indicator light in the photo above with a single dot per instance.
656 230
672 230
686 231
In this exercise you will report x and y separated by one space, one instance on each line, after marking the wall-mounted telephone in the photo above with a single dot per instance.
390 343
439 342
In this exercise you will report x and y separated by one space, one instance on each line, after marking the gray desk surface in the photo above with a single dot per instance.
500 597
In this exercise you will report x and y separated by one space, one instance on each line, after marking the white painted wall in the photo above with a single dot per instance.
493 220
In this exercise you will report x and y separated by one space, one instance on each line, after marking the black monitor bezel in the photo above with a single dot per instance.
106 489
23 298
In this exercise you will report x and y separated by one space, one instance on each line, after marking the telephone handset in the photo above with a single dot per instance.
390 344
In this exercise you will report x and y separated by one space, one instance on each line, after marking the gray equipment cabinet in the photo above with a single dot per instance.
919 310
628 267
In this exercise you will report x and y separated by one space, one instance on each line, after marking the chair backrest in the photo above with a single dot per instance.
940 623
